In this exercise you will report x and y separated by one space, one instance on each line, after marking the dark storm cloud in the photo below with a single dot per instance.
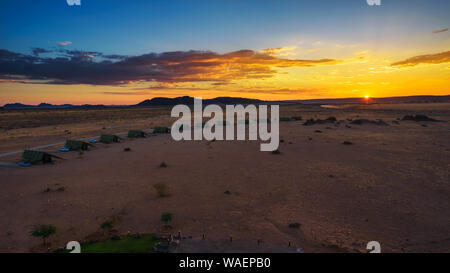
87 67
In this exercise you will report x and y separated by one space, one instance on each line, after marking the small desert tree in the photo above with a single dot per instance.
43 231
166 217
106 226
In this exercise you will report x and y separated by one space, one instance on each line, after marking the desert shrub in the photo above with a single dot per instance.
163 165
108 224
161 189
127 149
166 217
43 231
418 118
320 121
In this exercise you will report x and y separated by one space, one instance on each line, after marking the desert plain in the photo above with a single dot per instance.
391 185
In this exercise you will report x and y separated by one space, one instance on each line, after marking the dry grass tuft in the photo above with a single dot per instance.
162 189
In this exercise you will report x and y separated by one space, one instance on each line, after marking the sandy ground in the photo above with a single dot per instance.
392 185
21 129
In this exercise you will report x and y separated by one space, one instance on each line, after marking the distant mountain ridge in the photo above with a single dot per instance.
162 101
49 106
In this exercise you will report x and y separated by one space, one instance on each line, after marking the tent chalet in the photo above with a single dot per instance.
135 133
76 145
107 139
161 130
35 157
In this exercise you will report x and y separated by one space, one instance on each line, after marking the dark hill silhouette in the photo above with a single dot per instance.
190 100
49 106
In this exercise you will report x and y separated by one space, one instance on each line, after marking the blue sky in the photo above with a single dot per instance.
140 26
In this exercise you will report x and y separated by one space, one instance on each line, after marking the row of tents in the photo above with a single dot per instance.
36 157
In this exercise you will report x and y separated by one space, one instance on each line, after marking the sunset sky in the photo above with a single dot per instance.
122 52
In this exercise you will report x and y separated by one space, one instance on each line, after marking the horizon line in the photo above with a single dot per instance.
293 100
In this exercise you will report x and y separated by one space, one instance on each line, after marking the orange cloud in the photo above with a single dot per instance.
438 58
278 51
